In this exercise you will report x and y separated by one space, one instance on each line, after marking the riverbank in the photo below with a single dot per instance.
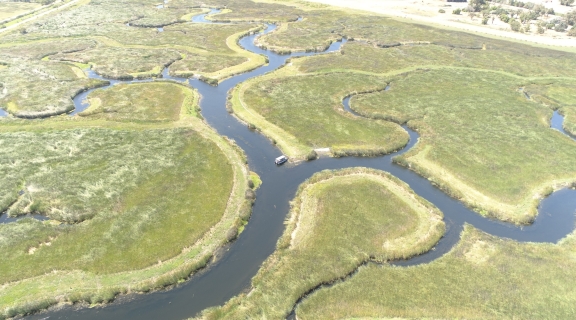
64 284
338 221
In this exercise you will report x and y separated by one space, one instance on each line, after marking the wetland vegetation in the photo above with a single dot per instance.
338 221
483 277
155 101
140 168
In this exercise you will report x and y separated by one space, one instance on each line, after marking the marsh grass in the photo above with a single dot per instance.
40 49
155 101
482 142
121 175
124 63
338 220
558 95
483 277
309 108
41 89
362 56
320 27
10 10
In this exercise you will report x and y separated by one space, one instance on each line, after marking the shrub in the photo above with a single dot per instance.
504 17
442 11
485 20
571 18
476 5
515 25
572 32
566 2
312 155
561 27
457 11
250 194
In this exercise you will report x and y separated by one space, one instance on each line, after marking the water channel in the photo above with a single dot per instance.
231 273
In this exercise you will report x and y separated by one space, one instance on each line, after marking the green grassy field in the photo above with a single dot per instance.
558 95
304 112
160 178
368 58
483 277
483 142
109 190
338 221
100 175
156 101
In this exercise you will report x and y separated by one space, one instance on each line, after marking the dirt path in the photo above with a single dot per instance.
390 8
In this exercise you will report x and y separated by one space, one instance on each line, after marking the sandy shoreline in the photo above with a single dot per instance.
390 8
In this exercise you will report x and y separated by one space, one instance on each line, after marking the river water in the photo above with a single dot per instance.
231 273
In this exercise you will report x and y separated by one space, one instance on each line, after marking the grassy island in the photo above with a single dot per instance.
339 221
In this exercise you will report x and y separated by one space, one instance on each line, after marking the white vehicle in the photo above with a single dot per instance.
280 160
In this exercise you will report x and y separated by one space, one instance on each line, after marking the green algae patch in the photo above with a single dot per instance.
155 101
482 277
482 142
339 220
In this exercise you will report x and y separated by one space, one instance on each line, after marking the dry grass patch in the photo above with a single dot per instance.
11 10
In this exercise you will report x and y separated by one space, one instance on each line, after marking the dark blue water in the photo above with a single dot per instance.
4 218
232 272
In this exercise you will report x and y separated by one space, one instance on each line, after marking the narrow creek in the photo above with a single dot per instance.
232 272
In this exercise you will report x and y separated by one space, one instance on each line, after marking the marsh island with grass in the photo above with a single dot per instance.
137 144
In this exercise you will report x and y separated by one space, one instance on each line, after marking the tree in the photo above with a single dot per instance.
566 2
572 32
457 11
541 27
477 5
515 25
571 18
561 27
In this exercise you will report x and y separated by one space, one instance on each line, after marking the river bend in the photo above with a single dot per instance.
232 272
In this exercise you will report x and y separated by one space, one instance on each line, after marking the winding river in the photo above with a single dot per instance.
239 262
